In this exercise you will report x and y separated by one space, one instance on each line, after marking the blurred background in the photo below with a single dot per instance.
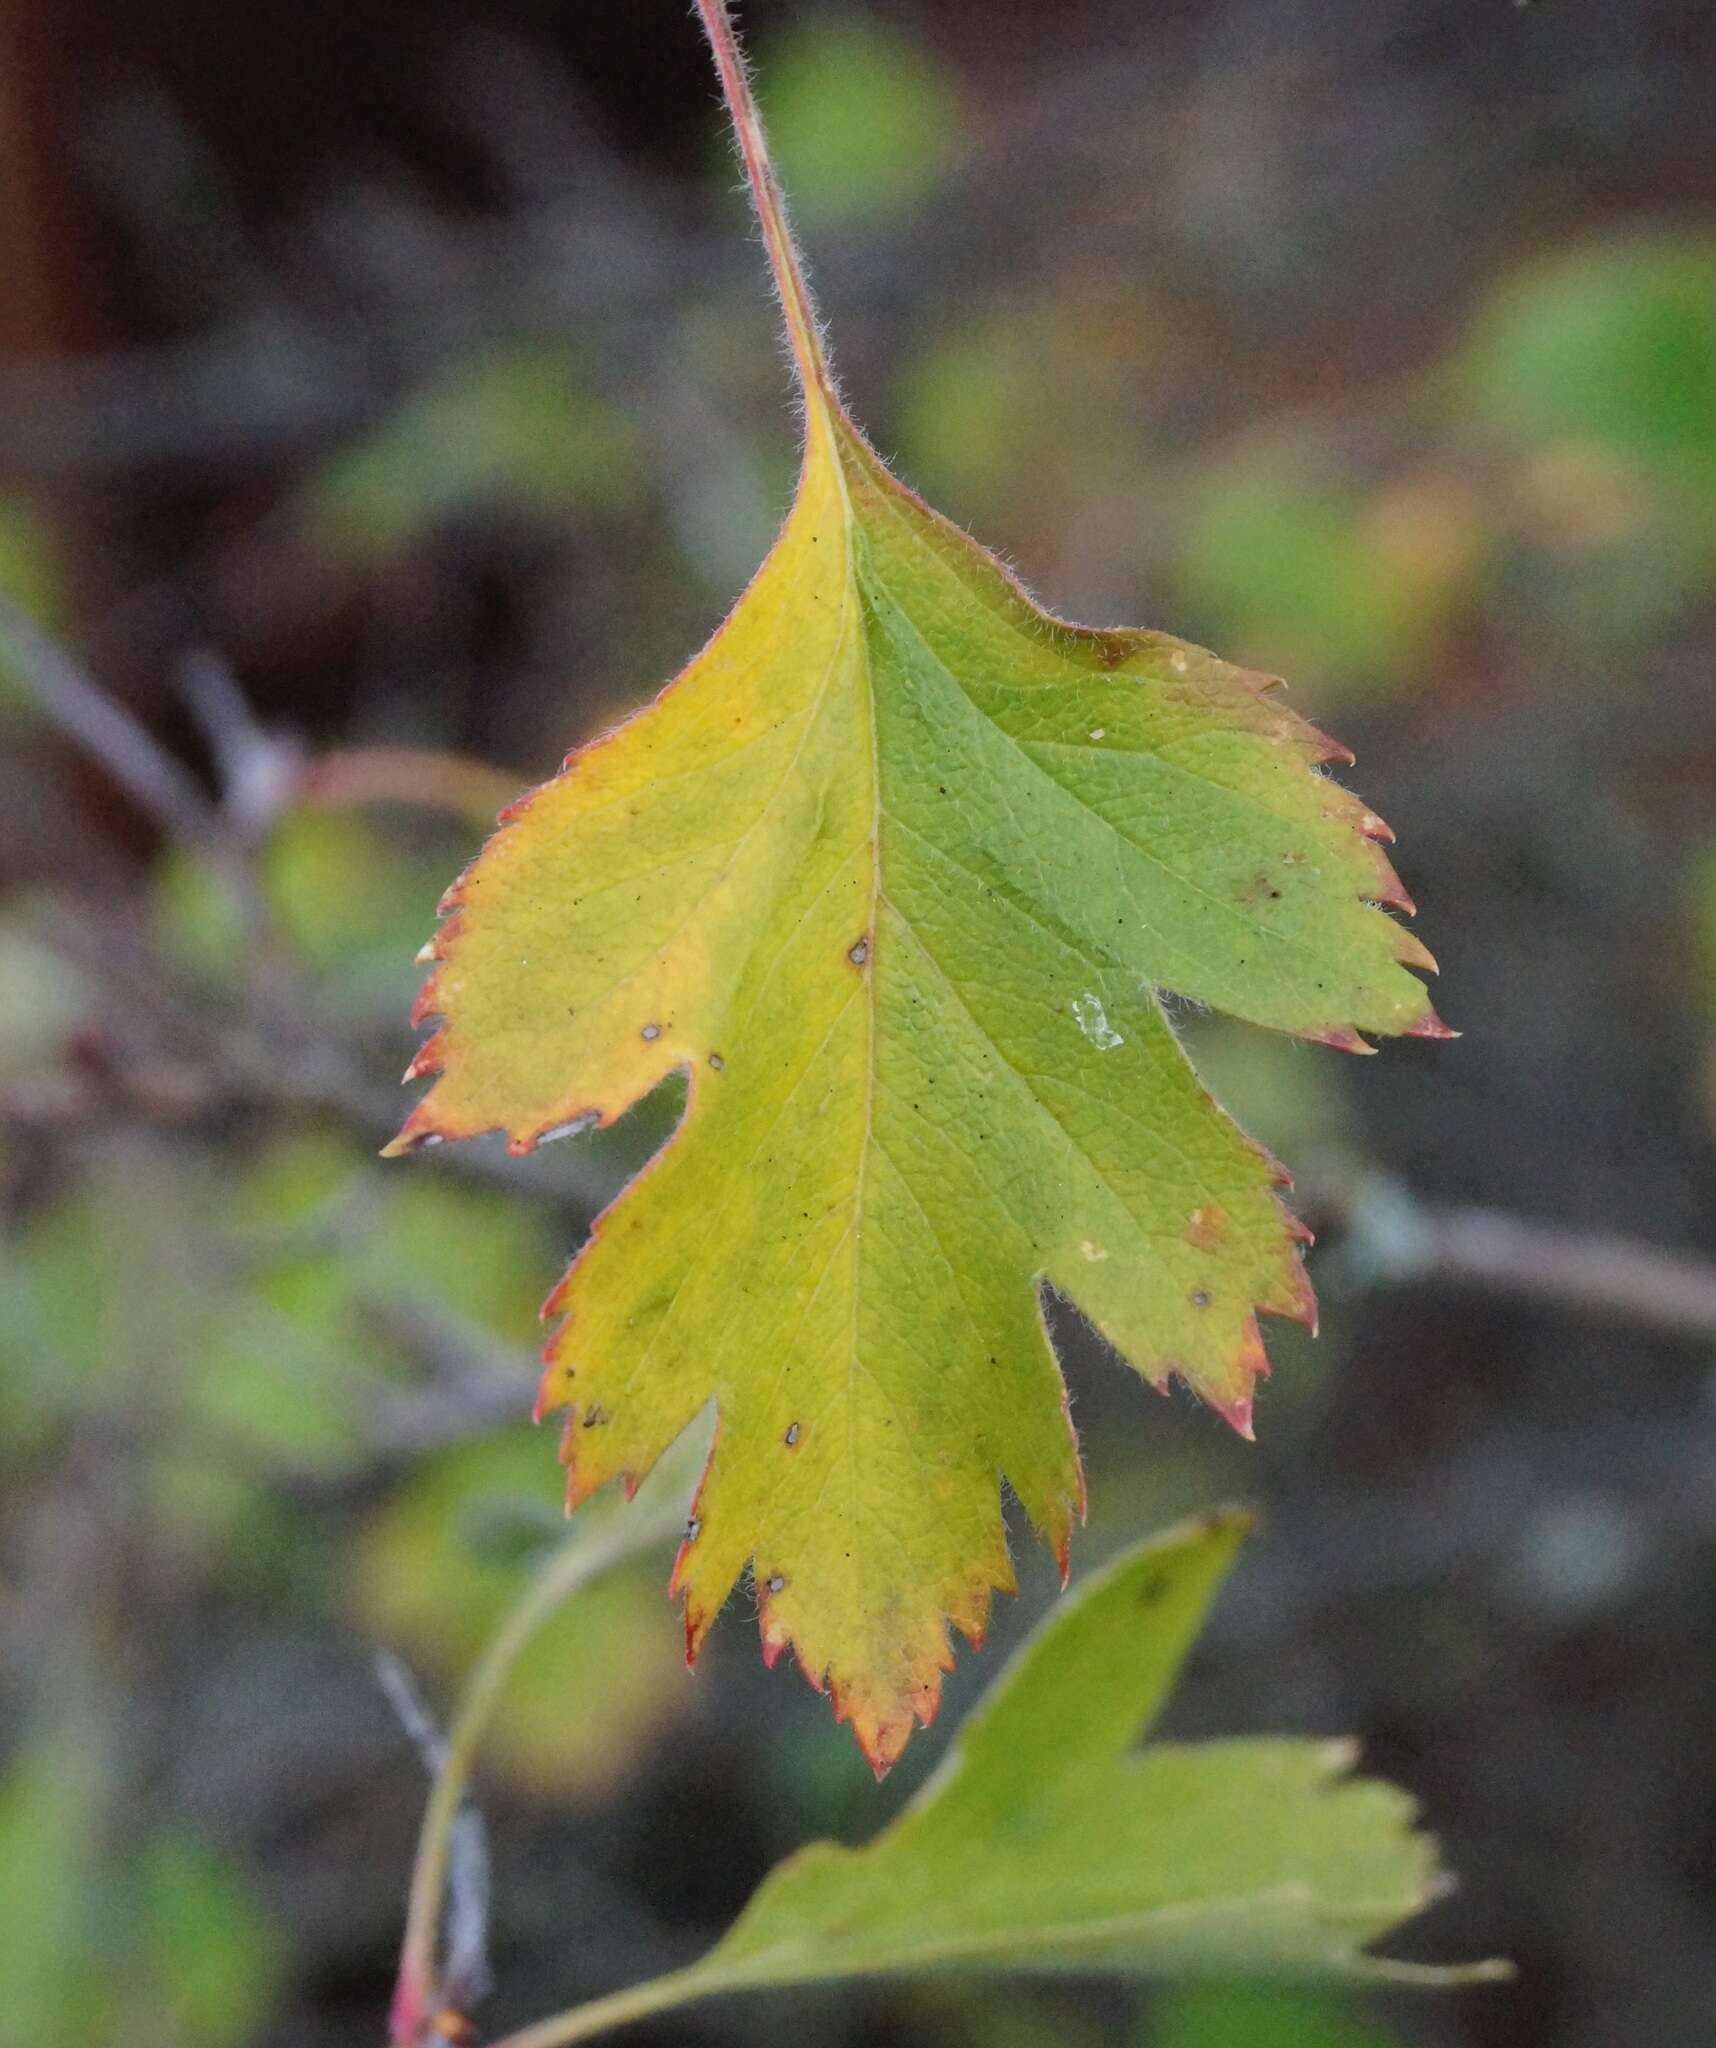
389 399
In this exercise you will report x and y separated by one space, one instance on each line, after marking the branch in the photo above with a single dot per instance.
154 780
1393 1238
421 1994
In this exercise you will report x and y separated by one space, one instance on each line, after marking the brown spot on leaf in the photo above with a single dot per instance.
1206 1227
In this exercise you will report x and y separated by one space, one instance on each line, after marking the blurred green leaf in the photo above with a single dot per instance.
348 894
213 1957
1314 578
863 123
1243 2016
49 1798
1027 408
31 575
518 427
594 1689
485 1258
1045 1842
1612 346
97 1942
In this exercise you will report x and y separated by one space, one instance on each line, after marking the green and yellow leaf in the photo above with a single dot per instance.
897 872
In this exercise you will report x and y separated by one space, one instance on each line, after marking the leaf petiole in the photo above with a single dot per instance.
796 303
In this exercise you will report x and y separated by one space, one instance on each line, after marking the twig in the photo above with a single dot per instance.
1394 1237
142 767
259 770
465 1974
419 776
422 1991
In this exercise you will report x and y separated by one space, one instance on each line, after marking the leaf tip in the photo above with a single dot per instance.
1411 951
1431 1026
1342 1037
1237 1414
418 1132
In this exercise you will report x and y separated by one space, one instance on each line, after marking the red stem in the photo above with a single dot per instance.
796 302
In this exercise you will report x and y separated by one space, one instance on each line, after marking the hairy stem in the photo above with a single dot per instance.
573 1566
796 302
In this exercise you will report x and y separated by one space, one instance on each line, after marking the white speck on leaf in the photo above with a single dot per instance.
1093 1252
1099 732
1092 1020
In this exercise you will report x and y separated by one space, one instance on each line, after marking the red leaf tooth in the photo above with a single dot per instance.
1393 894
693 1523
1411 951
1238 1415
698 1621
1342 1037
419 1131
1305 1297
1430 1026
429 1057
522 803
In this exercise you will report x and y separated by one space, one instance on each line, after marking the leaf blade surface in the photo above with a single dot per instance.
1046 1841
896 871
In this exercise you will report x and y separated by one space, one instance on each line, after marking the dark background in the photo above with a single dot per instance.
391 374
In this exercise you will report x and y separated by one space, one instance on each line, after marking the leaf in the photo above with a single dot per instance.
894 872
1046 1842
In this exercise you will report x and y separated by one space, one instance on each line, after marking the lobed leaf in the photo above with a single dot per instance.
1047 1841
895 873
